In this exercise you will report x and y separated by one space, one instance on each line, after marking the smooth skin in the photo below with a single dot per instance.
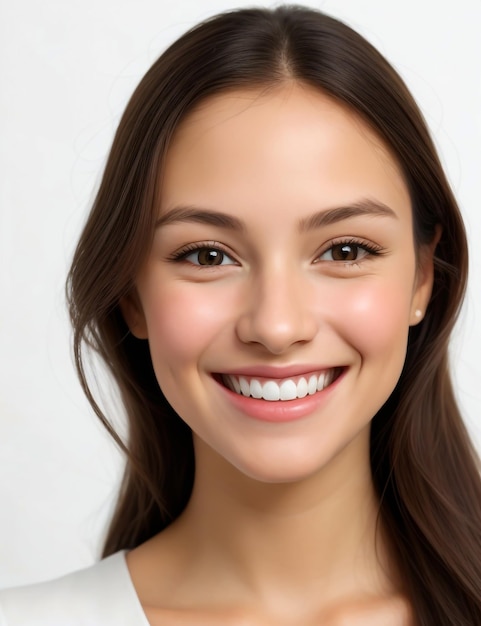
281 525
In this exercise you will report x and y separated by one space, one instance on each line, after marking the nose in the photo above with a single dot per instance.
279 312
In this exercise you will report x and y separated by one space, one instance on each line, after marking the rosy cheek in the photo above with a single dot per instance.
377 318
183 320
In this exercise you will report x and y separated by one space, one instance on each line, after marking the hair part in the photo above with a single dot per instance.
424 466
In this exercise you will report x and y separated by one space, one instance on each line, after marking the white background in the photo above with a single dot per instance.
67 69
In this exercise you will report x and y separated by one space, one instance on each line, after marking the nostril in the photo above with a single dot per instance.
278 316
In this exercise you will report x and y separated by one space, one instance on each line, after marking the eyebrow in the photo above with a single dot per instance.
322 218
200 216
338 214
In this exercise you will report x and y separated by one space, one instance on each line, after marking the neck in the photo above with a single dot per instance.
294 538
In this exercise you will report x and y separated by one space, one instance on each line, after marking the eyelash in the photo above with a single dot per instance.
184 252
370 249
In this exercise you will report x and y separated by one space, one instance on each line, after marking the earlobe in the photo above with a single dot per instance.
417 316
133 315
424 280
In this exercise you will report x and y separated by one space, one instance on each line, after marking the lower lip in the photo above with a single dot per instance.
281 410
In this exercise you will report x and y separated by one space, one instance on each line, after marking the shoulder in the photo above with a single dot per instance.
102 594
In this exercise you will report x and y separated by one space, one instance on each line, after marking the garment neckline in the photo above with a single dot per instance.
122 555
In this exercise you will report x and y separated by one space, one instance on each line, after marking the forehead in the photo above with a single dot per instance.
292 142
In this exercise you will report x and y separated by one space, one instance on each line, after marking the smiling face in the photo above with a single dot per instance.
281 283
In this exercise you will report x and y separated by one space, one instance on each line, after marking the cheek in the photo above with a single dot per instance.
182 321
376 322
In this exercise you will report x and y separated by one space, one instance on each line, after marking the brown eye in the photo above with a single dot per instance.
210 257
348 251
345 252
207 257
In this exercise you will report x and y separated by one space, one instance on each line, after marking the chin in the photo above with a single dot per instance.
290 468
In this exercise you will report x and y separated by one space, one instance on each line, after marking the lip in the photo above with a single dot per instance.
281 411
277 373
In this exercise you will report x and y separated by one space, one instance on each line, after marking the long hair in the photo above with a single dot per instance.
424 467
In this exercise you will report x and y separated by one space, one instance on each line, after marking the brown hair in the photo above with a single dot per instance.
424 466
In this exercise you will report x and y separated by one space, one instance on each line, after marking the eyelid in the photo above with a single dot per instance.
182 254
371 249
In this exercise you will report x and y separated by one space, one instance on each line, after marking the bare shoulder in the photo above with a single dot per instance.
395 611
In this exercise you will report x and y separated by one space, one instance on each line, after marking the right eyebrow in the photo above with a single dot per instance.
200 215
338 214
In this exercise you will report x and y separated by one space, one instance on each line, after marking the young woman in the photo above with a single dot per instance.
271 271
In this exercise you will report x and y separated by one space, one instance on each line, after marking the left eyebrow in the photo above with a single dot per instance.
200 216
339 214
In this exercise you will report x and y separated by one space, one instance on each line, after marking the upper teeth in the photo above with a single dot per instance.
272 390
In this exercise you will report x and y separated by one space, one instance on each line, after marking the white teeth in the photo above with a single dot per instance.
256 389
312 385
320 382
244 387
328 378
302 388
287 390
271 391
235 382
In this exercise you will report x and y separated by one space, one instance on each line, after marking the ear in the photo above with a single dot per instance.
133 315
424 279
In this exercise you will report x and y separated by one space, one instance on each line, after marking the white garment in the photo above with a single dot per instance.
100 595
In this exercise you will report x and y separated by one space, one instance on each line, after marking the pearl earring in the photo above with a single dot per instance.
418 313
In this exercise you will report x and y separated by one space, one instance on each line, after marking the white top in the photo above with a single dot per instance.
100 595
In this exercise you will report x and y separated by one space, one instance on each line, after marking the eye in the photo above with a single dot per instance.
348 251
343 252
206 256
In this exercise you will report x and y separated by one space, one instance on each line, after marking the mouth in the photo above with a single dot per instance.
283 389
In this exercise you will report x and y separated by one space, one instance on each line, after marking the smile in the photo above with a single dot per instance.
292 388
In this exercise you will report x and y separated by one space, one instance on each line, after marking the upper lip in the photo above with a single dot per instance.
269 371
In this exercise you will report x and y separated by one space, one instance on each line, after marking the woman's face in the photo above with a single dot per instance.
282 281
